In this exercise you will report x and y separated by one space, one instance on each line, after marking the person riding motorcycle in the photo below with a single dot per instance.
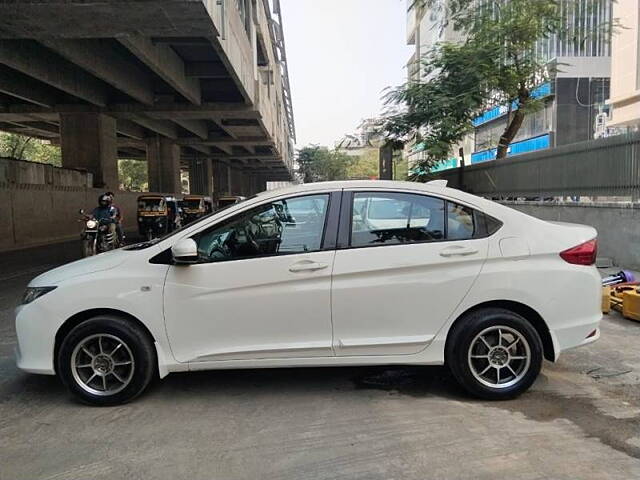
105 211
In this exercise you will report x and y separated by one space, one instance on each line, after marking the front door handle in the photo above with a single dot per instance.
307 265
457 250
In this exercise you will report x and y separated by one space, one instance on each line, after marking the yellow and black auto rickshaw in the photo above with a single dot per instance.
228 200
194 207
157 215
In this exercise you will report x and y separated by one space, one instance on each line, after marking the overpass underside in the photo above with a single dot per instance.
180 83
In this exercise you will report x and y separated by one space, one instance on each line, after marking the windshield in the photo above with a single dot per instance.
192 204
150 243
150 205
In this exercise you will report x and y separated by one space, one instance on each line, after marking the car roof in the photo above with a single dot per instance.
435 187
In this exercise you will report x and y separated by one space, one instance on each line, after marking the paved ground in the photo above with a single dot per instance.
581 420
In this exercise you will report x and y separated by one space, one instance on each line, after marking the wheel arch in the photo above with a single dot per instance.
80 317
521 309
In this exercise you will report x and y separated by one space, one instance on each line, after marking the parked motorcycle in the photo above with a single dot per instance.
96 236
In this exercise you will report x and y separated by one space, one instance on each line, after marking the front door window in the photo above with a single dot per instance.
293 225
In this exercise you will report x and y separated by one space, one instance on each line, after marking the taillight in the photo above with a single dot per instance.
583 254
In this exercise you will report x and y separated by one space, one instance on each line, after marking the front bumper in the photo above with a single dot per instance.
36 338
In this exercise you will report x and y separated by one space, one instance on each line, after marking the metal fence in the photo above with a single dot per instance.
606 167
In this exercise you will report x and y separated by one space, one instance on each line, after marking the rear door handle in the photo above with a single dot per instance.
457 251
307 265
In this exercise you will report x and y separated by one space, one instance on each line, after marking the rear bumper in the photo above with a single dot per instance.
576 335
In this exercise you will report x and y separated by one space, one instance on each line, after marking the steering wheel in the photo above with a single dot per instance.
221 250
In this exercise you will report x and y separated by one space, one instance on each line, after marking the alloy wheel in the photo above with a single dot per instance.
499 356
102 364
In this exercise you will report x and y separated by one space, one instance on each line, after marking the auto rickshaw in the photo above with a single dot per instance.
228 200
195 207
158 215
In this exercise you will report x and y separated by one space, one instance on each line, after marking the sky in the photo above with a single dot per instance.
342 54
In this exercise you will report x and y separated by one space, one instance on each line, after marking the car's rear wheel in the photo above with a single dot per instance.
494 353
106 360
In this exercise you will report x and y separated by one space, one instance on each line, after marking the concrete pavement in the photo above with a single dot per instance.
581 420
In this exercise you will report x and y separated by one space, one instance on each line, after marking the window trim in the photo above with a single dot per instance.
332 197
332 220
346 220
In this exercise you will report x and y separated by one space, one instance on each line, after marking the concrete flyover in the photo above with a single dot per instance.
197 84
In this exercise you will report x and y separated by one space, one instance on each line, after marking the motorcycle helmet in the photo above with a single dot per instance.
104 200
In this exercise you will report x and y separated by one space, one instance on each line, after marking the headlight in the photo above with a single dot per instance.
91 224
140 219
35 292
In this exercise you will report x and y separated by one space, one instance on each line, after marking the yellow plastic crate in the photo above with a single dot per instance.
606 299
631 305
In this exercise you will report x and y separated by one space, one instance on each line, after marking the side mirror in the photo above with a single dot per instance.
185 252
81 211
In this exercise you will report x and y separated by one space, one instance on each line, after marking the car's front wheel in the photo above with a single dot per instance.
494 353
106 360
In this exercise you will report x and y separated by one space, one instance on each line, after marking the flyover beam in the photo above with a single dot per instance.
24 88
223 142
204 111
197 127
99 58
165 63
33 60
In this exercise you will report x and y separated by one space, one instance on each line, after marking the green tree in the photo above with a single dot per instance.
318 164
366 165
496 63
133 175
23 147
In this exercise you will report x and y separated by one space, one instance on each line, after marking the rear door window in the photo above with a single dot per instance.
460 223
380 218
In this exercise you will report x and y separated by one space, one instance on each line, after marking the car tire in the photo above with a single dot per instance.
106 360
494 353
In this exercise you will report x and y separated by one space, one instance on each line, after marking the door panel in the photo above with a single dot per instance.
391 295
262 287
393 300
254 308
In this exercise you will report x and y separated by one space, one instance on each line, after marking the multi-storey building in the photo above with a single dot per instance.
424 30
575 93
625 66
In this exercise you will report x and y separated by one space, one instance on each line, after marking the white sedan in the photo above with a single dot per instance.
338 273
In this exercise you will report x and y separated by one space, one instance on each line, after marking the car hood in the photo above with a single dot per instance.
104 261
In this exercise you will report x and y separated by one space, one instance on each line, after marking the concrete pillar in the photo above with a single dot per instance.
236 186
261 183
163 164
201 176
221 178
231 181
246 186
88 142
